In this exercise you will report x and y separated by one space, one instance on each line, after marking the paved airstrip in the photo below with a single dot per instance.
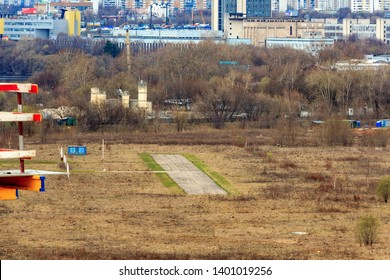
187 175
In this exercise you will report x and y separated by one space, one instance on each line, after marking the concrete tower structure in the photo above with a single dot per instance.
98 97
142 101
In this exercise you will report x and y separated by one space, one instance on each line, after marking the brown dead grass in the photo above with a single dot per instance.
126 213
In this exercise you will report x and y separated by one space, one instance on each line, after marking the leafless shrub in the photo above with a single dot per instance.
286 133
181 119
325 188
47 127
335 132
366 140
381 138
114 116
375 138
288 164
8 136
278 192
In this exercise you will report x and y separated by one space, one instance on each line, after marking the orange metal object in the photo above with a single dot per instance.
8 194
31 183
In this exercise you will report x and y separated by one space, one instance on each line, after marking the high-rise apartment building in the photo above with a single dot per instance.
181 5
331 5
114 3
369 6
258 8
244 8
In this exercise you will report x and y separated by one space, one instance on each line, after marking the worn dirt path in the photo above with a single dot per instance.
187 175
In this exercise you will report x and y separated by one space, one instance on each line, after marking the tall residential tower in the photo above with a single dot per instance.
243 8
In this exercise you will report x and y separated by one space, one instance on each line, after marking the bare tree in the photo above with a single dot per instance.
323 84
345 81
217 101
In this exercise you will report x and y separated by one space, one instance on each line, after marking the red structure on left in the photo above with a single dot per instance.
13 180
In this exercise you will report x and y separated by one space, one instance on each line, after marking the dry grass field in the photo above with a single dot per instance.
125 212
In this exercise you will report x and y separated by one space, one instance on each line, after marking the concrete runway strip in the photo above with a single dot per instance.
187 175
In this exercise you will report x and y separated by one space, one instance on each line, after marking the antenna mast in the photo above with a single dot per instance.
128 55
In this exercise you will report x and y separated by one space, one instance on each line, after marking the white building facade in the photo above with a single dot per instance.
311 45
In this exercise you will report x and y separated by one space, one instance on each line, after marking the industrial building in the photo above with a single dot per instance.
371 62
311 45
149 39
53 7
258 30
37 26
359 28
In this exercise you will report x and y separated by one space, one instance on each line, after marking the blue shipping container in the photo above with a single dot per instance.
383 123
77 150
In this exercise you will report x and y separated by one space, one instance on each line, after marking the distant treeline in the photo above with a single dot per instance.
264 84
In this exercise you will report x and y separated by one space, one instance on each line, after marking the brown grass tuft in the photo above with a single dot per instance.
316 177
288 164
325 188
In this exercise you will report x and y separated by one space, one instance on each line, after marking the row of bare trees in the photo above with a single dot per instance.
266 84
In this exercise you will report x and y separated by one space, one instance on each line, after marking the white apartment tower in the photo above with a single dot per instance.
114 3
279 5
365 6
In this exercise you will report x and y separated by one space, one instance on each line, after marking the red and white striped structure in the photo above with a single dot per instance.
19 117
17 87
13 180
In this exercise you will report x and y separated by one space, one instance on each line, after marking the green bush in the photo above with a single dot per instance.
383 188
367 230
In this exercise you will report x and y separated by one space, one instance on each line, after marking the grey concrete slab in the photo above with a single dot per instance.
187 175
